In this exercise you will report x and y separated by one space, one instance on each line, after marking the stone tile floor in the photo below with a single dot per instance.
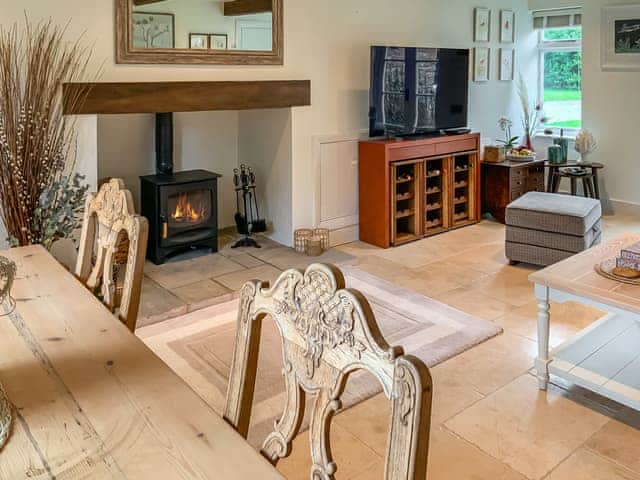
489 419
196 280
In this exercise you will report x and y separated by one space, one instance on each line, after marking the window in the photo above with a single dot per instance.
560 67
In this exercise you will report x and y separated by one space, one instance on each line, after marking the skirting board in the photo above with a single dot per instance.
623 207
344 235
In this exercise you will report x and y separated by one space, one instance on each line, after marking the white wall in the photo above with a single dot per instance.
339 66
264 143
611 106
327 42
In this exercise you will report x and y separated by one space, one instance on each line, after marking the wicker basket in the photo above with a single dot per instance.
314 246
323 233
321 241
300 238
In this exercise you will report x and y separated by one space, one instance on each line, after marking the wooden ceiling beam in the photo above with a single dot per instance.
247 7
157 97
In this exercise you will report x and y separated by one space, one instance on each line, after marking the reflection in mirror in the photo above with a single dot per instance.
202 25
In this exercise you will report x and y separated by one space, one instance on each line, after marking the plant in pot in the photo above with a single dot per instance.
41 195
506 125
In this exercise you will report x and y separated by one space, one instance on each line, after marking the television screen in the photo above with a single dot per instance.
418 90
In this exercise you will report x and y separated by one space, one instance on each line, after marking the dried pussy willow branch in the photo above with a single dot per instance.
36 140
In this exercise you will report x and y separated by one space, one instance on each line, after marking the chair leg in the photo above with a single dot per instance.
574 186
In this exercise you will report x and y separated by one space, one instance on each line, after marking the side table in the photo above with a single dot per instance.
555 175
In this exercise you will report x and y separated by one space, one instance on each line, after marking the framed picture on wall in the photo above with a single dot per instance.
199 41
218 41
507 59
153 30
481 25
507 26
620 37
481 64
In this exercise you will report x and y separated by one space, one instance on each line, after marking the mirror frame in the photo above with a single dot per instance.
126 54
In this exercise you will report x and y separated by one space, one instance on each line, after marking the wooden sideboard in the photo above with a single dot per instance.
410 189
504 182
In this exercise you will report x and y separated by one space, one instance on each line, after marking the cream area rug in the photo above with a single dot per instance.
199 346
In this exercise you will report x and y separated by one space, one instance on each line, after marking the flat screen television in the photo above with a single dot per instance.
418 91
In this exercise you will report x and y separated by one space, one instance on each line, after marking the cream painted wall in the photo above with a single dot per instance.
611 107
339 66
264 143
327 42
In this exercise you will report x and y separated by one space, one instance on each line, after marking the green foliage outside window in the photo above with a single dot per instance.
559 34
563 70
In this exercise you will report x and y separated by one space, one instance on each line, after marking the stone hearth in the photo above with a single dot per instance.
194 280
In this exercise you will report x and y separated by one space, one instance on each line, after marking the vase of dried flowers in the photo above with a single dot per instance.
532 115
37 157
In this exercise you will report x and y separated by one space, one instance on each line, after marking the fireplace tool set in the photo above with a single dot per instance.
248 219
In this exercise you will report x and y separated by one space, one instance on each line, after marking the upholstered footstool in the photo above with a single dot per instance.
545 228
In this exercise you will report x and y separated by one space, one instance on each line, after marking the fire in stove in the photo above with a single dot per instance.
189 210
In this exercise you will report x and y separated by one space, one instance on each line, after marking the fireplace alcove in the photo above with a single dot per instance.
181 205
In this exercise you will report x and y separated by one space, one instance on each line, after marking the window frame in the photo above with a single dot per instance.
545 46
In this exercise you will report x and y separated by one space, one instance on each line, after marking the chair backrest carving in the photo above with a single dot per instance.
111 224
327 333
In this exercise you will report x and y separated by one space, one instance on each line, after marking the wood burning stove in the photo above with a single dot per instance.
182 208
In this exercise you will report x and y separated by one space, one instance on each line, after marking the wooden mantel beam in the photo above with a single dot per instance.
156 97
247 7
139 3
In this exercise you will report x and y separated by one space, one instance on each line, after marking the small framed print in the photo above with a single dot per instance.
507 58
199 41
481 25
507 26
620 38
153 30
218 41
481 64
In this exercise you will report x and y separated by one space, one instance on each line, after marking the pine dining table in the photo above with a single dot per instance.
91 401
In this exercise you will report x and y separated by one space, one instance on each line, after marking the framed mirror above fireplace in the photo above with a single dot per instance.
213 32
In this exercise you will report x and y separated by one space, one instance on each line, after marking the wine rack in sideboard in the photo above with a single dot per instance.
416 188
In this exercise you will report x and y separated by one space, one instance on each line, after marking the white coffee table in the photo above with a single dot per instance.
605 357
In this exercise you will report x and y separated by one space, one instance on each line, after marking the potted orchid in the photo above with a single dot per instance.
505 125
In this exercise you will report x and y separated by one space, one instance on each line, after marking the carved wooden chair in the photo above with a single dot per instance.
112 250
327 332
